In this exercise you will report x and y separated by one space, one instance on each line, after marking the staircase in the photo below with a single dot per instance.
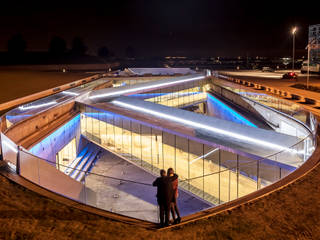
83 162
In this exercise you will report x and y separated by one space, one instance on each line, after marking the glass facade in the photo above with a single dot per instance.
178 96
66 155
208 172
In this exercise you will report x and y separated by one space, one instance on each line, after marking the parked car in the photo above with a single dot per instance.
267 69
289 75
314 67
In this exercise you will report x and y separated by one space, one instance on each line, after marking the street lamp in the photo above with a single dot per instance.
294 30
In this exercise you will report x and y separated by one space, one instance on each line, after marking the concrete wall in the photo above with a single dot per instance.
20 132
52 144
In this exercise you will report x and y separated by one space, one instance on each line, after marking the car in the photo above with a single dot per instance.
314 67
267 69
289 75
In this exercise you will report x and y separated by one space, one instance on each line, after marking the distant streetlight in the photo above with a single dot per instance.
294 30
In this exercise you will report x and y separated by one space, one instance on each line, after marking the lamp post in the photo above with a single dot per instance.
294 30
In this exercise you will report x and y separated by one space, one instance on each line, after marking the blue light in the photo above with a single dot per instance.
56 136
152 95
236 116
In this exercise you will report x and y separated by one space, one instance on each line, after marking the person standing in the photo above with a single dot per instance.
165 195
174 203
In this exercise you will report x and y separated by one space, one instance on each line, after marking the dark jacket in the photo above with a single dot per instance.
165 192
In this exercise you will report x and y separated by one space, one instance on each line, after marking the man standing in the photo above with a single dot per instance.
165 195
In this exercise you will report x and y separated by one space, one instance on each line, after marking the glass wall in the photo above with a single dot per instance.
206 171
66 155
179 96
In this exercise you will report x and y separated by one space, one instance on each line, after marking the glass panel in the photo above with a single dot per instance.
9 150
211 181
146 147
66 155
157 151
247 176
89 124
168 150
136 143
103 128
269 172
29 167
118 134
196 167
110 132
182 158
228 176
126 150
96 126
83 120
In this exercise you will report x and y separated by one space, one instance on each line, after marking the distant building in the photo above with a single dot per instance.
314 40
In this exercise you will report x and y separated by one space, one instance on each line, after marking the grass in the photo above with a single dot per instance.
20 83
304 87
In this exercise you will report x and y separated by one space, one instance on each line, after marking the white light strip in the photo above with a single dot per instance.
203 156
70 93
10 146
145 87
37 106
206 127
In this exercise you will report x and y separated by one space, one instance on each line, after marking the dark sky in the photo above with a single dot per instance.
161 27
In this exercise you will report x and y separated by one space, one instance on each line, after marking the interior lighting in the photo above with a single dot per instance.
145 87
205 127
203 156
70 93
37 106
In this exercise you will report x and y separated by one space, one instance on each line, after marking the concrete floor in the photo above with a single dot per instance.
131 199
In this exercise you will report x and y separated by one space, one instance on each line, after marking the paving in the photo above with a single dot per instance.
274 80
127 198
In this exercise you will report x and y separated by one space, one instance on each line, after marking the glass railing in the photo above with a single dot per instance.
222 180
134 197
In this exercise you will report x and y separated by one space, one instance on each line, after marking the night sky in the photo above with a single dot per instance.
161 28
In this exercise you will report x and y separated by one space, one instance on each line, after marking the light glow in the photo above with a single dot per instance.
231 111
294 30
10 146
203 156
145 87
37 106
205 127
70 93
